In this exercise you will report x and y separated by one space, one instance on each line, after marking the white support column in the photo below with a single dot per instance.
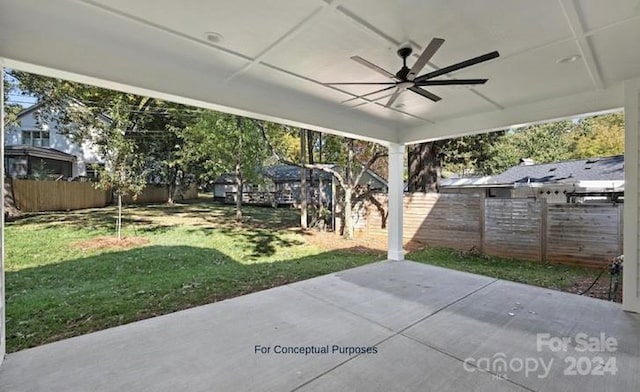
396 194
631 273
3 329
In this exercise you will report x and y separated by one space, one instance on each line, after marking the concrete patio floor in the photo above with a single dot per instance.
432 329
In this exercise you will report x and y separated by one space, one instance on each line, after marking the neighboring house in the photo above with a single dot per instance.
573 181
282 184
461 184
22 161
36 147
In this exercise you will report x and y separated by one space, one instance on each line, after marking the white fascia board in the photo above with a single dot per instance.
616 185
248 100
548 110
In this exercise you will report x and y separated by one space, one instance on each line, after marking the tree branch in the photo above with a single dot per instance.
369 196
367 166
325 169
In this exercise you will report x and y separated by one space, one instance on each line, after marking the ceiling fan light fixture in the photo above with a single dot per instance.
569 59
214 37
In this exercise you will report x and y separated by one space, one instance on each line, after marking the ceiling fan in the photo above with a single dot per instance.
407 78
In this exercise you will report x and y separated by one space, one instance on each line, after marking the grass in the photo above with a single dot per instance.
196 254
553 276
57 286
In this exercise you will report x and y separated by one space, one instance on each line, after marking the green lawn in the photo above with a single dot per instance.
196 254
553 276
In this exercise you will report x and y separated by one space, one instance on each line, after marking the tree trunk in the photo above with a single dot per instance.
171 191
303 180
312 185
348 214
119 221
172 186
425 168
238 172
238 192
348 191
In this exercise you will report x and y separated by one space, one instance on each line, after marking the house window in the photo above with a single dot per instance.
93 171
35 138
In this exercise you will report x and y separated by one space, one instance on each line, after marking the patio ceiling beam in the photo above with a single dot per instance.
575 23
98 56
610 99
256 103
327 6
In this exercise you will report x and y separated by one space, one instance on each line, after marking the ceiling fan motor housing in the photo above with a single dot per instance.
404 52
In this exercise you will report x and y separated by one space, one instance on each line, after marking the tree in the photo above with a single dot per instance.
303 179
424 162
464 156
222 144
82 111
125 174
347 173
11 110
550 142
599 136
468 155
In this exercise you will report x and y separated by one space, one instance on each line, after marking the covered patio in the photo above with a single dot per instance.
277 61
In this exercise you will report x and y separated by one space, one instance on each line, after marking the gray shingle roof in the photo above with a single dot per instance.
278 173
42 152
287 173
290 173
592 169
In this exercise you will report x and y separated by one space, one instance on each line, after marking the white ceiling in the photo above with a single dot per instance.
276 56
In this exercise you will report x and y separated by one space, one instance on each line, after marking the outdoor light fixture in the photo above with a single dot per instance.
568 59
213 37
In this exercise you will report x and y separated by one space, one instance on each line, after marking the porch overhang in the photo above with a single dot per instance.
559 59
276 58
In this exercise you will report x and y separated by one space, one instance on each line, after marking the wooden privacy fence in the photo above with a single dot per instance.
35 196
150 194
585 234
153 193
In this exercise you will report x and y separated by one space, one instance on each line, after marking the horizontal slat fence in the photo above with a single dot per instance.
512 228
527 229
448 220
583 233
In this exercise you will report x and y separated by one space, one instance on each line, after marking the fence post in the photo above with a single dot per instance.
482 220
544 212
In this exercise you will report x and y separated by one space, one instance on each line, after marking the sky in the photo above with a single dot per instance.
19 97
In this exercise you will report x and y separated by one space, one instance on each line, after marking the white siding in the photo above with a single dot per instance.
86 153
220 190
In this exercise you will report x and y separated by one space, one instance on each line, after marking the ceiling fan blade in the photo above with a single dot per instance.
460 65
362 83
425 93
374 67
393 98
424 58
368 94
450 82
